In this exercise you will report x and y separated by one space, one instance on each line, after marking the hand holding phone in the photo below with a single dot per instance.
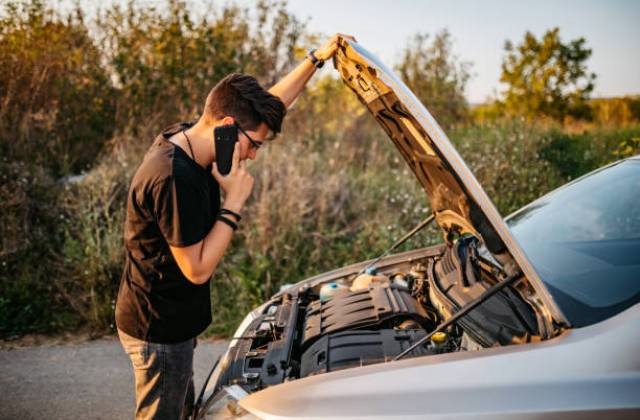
237 184
225 138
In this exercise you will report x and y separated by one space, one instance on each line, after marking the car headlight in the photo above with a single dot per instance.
210 396
212 385
245 324
225 405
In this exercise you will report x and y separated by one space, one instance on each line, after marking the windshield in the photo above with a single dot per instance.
584 241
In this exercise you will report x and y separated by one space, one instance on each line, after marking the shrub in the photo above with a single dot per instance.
437 77
91 258
57 102
623 111
29 234
164 62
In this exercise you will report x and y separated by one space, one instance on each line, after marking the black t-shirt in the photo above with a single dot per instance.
172 201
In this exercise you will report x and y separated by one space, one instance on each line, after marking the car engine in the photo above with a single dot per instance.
371 317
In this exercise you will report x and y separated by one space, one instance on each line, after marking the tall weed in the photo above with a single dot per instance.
91 259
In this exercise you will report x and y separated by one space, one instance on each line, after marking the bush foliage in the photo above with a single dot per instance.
80 103
437 77
57 105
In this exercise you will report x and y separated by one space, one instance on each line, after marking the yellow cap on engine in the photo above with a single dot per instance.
439 337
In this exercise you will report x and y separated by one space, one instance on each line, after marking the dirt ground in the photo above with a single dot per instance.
72 377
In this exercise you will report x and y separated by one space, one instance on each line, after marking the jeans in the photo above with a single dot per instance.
163 377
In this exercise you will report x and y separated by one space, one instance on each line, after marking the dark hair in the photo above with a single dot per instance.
240 96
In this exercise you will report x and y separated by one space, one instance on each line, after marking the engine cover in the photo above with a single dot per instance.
357 348
379 303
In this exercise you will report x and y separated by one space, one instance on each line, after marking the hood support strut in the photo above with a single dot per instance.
463 311
400 241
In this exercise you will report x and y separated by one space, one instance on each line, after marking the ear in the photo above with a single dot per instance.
227 120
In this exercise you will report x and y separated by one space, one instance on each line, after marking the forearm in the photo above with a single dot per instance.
216 243
213 248
291 85
199 261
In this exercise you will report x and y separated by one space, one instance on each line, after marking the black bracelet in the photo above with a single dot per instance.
227 221
230 213
315 60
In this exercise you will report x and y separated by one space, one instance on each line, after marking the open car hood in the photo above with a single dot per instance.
459 203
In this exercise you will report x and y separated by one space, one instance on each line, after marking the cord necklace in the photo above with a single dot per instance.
193 155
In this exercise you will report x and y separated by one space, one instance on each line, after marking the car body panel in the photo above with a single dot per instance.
556 378
459 203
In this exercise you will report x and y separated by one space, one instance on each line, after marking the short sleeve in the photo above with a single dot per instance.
178 211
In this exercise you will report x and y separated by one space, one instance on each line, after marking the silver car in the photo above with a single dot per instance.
535 316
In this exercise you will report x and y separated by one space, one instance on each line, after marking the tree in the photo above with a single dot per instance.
164 61
436 76
547 77
56 107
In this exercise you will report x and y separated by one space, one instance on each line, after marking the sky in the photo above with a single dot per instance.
479 30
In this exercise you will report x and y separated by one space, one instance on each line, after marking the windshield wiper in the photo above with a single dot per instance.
400 241
463 311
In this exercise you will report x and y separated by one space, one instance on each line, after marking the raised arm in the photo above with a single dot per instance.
291 85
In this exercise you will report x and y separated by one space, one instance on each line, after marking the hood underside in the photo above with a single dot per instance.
459 203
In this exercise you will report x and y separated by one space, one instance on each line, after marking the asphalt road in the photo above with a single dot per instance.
91 380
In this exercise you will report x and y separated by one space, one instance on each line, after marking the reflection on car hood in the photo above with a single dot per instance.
459 203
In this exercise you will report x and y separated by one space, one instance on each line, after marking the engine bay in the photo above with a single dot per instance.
373 316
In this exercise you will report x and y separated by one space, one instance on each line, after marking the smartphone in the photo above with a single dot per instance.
225 138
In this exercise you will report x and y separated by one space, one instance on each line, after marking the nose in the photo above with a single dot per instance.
252 153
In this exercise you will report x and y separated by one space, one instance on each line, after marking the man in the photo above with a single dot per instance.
176 232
